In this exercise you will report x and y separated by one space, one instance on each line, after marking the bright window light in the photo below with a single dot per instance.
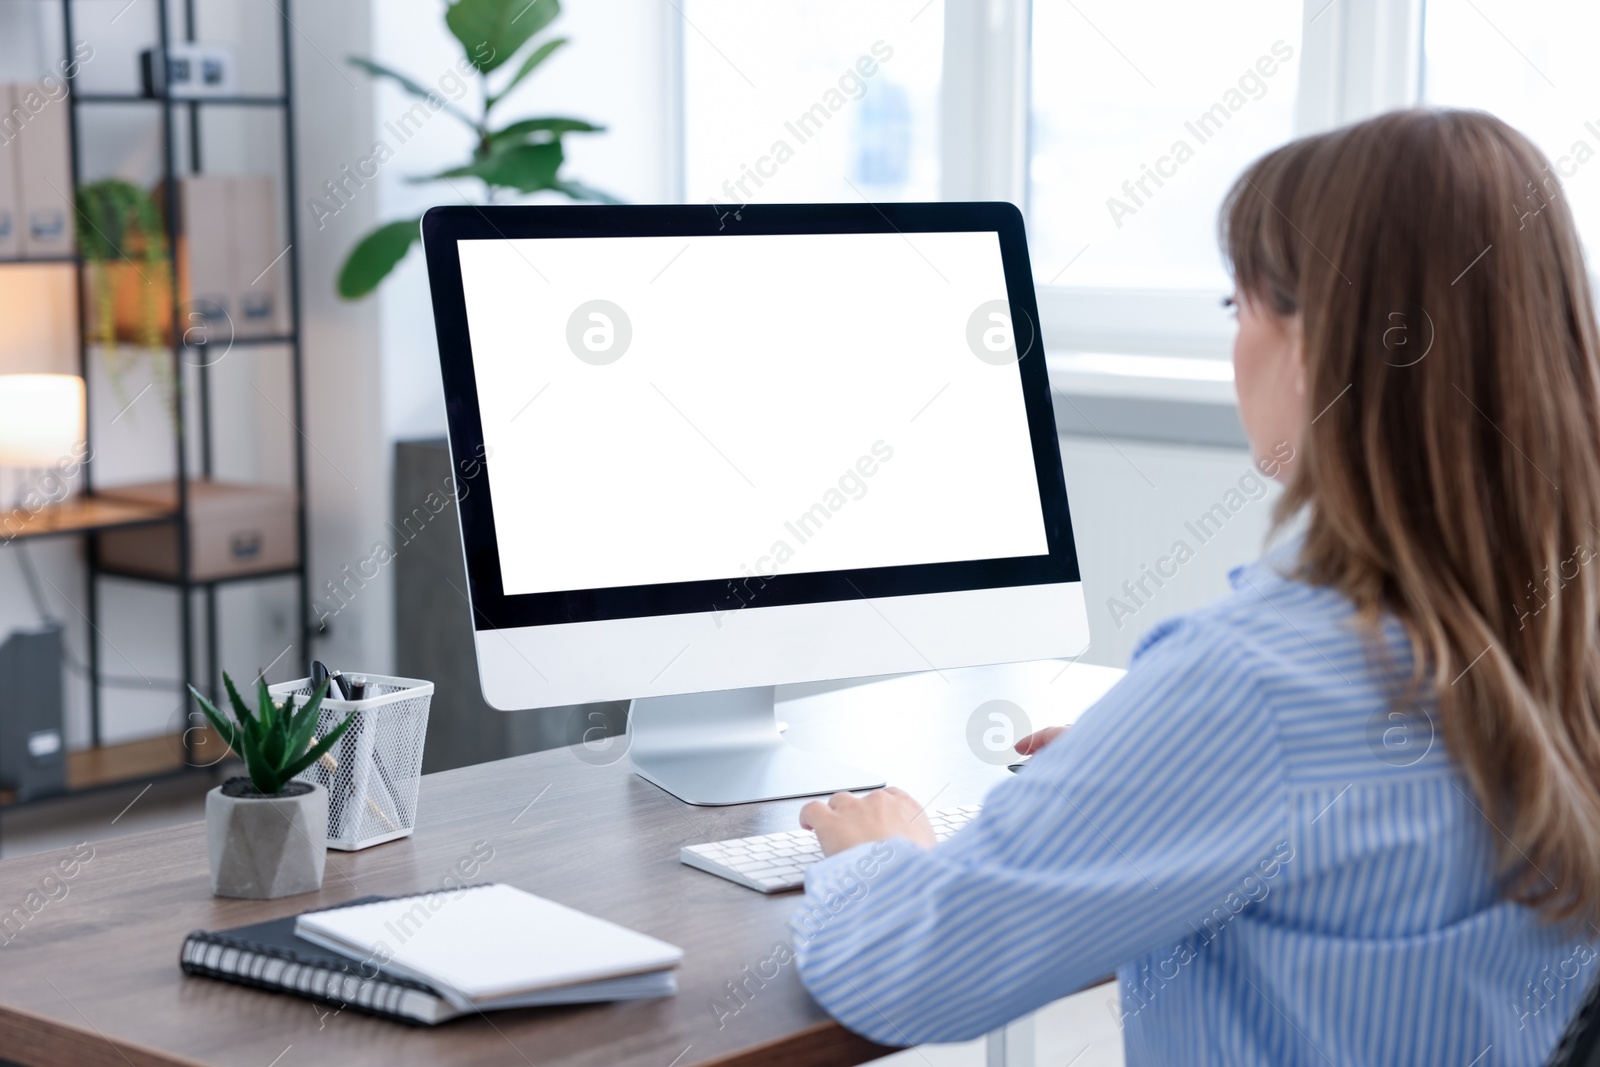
814 100
1143 115
1532 64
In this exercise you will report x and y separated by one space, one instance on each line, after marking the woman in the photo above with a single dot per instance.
1349 814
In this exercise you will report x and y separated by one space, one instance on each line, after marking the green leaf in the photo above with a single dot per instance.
526 168
321 747
219 723
266 709
579 191
371 260
519 131
493 30
114 215
271 724
304 723
272 745
262 776
307 710
537 56
241 711
415 88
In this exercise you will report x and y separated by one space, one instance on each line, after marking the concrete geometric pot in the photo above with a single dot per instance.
266 846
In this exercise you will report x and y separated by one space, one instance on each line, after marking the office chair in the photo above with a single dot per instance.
1580 1042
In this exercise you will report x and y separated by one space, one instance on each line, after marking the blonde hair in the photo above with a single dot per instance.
1450 473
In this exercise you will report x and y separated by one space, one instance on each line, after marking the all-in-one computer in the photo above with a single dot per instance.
715 450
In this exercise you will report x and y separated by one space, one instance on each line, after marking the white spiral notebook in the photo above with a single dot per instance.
496 946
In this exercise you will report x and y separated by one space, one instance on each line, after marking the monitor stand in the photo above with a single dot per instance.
724 748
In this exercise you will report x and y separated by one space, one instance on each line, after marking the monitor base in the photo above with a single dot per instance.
724 747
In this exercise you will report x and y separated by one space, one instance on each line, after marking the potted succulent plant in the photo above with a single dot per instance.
266 832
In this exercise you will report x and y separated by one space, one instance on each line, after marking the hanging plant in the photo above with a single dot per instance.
123 240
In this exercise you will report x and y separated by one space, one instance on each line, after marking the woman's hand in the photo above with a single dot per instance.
847 820
1038 739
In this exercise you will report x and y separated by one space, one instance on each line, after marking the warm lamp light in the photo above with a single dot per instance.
41 420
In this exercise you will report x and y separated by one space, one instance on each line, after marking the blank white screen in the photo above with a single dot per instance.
745 428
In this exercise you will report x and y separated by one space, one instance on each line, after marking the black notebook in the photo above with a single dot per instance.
269 956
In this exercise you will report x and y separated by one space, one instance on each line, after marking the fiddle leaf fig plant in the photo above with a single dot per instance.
273 741
521 158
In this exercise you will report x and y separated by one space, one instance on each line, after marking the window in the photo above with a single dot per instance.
1117 127
1143 116
1530 64
817 100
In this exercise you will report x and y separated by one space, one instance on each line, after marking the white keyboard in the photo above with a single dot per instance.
771 863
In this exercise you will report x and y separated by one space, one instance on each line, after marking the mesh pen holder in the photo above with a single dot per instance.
373 771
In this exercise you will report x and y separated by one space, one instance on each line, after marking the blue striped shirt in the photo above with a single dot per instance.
1279 868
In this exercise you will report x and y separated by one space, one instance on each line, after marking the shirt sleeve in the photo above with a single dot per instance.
1165 798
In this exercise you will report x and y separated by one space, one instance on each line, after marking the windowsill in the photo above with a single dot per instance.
1174 378
1169 399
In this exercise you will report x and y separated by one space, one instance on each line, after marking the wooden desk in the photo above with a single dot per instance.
91 979
81 514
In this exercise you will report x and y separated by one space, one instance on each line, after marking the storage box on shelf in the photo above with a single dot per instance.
234 531
35 173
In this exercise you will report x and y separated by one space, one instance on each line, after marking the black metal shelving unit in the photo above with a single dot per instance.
173 111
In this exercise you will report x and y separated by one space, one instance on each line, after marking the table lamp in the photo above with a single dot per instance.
41 428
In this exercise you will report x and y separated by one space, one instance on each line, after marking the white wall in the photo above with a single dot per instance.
1132 502
346 459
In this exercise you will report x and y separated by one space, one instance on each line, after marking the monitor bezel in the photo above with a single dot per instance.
492 608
